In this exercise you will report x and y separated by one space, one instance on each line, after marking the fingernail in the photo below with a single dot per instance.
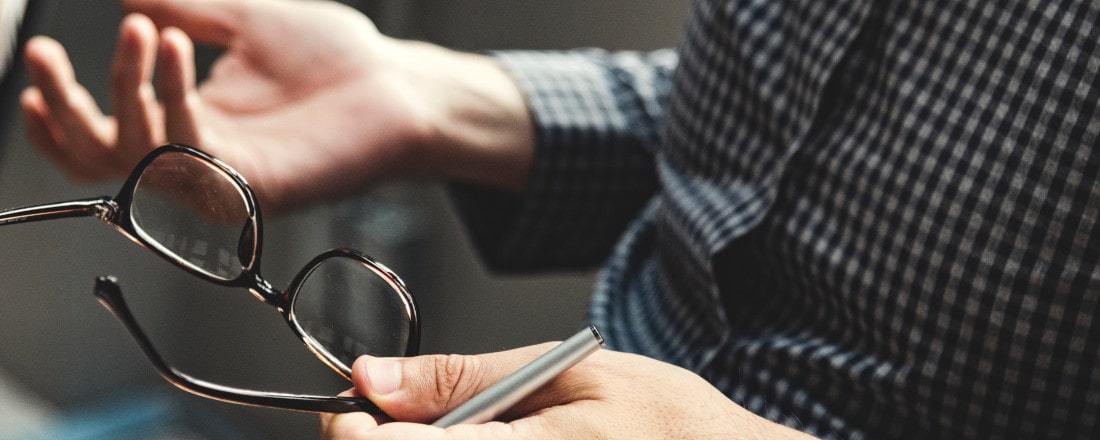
384 375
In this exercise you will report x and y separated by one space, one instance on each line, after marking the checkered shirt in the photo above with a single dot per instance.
861 219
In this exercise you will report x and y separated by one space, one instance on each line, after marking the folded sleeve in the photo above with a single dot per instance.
598 118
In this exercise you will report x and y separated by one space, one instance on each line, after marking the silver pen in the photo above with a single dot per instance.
502 395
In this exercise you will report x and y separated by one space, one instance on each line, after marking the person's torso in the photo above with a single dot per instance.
901 202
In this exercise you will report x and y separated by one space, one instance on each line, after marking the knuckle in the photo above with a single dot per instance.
456 376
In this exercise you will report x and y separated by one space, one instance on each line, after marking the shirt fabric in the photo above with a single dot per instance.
861 219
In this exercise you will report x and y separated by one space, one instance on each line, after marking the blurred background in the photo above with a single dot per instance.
68 369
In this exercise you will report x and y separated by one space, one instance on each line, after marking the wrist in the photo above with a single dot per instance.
477 125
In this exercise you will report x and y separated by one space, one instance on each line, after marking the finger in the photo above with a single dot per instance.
81 133
575 421
326 423
176 83
209 21
346 426
403 431
133 99
424 388
45 138
36 117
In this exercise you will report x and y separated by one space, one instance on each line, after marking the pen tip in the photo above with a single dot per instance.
596 334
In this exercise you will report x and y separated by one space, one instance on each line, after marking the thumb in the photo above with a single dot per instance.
424 388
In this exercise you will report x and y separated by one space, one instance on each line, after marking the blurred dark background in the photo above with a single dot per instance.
67 369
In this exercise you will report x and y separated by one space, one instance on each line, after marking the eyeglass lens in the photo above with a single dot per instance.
192 211
196 213
346 309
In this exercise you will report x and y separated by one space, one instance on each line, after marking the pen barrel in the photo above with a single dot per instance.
506 393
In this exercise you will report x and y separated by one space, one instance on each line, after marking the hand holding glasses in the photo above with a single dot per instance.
199 214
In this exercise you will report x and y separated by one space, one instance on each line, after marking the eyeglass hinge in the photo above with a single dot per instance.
106 210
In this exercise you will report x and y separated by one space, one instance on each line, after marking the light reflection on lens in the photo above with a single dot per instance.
345 310
192 211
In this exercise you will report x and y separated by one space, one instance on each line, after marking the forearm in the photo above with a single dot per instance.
598 116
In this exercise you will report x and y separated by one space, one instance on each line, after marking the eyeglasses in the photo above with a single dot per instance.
201 215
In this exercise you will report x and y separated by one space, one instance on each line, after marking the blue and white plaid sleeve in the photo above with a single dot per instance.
598 117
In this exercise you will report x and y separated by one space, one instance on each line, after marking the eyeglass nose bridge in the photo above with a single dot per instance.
264 291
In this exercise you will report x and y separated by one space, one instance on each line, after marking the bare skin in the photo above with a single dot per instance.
608 395
310 102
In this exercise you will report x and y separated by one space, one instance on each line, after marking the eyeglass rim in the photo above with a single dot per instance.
109 294
117 212
412 312
249 276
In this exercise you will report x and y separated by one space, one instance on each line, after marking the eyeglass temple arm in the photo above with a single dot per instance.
103 208
110 295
